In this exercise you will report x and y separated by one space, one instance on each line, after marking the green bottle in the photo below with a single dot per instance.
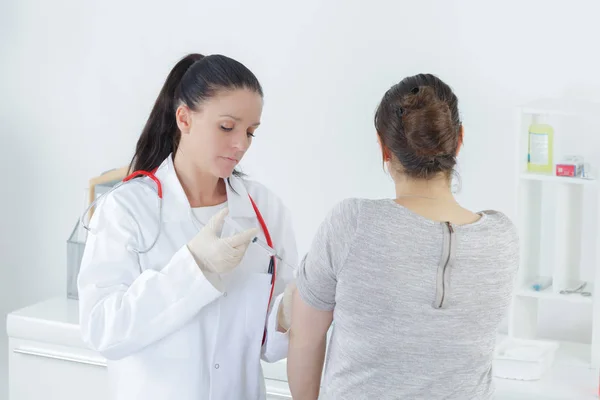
540 148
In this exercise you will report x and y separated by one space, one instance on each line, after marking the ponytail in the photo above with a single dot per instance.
160 136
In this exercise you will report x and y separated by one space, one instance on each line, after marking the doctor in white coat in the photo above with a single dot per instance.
191 318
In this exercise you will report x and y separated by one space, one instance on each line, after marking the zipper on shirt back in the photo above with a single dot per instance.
445 264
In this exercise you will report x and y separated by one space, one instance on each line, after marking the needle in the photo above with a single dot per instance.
271 251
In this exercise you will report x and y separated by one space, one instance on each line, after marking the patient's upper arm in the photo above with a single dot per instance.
319 270
309 325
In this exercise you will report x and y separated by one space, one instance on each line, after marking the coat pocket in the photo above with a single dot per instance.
257 299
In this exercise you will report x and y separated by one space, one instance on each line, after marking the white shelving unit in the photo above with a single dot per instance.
559 222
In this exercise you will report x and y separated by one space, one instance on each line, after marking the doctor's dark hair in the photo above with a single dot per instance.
418 121
192 81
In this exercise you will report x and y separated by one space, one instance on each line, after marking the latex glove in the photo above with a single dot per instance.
284 318
219 255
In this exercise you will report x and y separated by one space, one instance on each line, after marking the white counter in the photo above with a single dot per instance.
55 321
50 329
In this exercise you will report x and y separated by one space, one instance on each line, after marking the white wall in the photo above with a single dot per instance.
78 80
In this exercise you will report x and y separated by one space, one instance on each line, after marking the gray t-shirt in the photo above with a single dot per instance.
417 303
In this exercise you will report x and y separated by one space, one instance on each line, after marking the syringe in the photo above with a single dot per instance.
271 251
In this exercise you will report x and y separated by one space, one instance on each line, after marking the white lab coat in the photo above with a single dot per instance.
165 329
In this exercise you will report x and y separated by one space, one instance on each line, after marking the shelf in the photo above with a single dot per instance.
553 216
550 295
557 179
572 298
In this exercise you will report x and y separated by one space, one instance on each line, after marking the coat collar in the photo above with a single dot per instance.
176 206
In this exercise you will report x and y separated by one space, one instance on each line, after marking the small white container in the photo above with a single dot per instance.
523 359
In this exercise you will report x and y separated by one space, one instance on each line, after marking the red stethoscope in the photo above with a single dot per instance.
272 262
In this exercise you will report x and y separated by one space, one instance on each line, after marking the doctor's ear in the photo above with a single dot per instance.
183 116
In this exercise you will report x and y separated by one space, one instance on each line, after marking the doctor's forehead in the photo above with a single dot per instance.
239 104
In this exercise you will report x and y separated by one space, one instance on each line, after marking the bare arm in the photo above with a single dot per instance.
308 339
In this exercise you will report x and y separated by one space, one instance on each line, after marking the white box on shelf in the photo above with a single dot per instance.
522 359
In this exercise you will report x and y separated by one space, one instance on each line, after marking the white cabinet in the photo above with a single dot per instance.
46 357
43 371
48 360
40 370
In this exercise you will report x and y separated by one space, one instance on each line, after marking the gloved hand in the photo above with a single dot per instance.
284 317
219 255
